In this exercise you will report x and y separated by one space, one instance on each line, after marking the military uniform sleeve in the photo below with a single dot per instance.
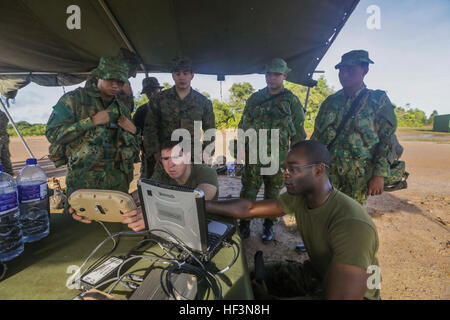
298 118
354 243
386 124
150 135
317 122
243 124
62 126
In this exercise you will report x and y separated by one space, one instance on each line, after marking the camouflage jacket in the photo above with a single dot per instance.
285 112
367 134
4 126
168 112
81 144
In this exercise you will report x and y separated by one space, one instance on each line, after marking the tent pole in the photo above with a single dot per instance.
121 33
15 128
306 100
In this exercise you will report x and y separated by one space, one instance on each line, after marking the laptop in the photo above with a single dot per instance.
180 211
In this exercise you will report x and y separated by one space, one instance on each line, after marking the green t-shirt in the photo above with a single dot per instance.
340 231
200 173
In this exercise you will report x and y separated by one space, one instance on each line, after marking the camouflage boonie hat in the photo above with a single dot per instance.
181 63
150 82
353 58
111 68
277 65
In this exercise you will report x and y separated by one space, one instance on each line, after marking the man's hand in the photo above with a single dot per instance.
134 220
376 186
101 117
126 124
77 217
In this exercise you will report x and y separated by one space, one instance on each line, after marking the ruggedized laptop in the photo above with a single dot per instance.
180 211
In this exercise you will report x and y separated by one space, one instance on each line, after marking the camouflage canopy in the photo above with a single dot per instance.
40 44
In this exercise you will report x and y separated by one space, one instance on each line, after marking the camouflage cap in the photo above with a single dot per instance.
150 82
181 63
111 68
277 65
353 58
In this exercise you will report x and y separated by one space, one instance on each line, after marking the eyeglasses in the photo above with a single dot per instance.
293 170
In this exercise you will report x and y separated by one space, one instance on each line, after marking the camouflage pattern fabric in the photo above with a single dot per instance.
252 181
277 65
291 279
354 57
181 63
361 149
111 68
169 112
5 156
284 113
126 99
97 157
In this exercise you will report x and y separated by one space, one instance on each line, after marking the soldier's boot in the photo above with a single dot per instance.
244 228
267 234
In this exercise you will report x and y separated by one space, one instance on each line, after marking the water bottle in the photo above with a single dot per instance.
231 170
32 187
11 242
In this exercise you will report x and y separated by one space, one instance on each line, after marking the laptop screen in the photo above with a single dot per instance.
175 209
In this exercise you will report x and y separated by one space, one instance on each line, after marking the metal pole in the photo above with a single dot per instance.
15 128
307 97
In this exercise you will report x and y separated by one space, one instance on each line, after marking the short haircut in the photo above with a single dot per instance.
314 151
168 144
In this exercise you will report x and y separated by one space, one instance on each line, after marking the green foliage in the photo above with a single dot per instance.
223 114
240 92
413 118
317 95
26 129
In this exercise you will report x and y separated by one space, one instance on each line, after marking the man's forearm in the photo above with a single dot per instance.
236 208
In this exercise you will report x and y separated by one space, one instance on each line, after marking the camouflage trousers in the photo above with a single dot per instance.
252 181
290 279
5 158
110 179
352 178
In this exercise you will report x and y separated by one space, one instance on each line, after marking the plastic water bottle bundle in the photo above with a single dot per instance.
11 242
231 170
32 187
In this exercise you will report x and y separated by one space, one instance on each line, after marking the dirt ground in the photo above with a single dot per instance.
413 224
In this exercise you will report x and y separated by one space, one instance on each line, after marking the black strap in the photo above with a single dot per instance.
353 110
272 97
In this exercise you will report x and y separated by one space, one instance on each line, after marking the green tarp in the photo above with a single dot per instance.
232 37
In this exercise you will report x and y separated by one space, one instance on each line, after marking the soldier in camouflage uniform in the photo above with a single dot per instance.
90 130
175 108
126 94
359 152
5 156
273 107
150 87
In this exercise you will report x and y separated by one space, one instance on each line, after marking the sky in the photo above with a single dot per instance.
409 44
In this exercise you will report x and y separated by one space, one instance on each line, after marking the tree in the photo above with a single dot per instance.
431 118
317 95
240 92
223 114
